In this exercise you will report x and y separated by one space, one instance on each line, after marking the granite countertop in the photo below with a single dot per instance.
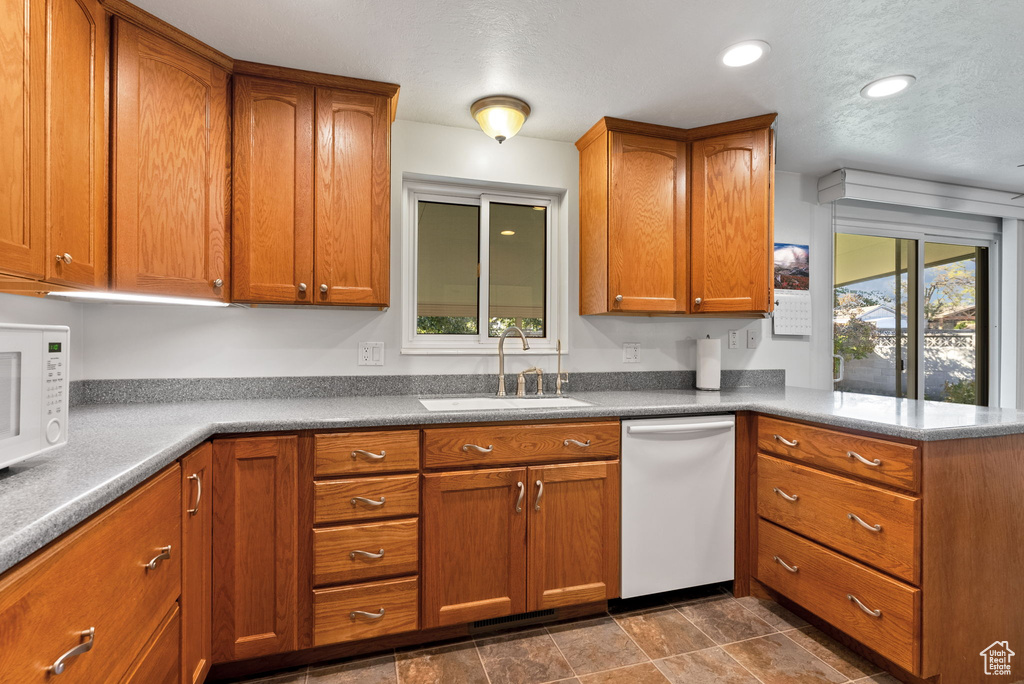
114 447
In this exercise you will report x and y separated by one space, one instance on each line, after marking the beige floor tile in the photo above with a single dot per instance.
884 678
833 653
644 673
595 645
710 666
442 665
529 657
725 620
772 613
777 659
663 633
297 676
377 670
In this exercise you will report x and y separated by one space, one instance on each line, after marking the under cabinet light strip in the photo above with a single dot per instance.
122 298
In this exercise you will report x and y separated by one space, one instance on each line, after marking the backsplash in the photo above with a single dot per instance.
163 390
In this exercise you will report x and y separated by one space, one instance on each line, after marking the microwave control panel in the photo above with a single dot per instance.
55 386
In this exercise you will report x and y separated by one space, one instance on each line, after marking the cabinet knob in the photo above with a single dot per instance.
218 283
697 301
324 288
64 258
618 298
302 287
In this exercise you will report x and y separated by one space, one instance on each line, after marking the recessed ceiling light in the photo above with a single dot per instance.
890 85
747 52
508 232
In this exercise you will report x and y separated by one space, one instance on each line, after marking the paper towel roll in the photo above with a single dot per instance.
709 364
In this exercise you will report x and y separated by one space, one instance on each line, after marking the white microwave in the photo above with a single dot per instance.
33 390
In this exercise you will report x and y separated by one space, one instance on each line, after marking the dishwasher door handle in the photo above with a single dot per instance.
677 428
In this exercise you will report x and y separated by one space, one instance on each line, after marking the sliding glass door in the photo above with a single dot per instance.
910 318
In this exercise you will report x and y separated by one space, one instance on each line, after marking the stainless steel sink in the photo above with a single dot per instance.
499 403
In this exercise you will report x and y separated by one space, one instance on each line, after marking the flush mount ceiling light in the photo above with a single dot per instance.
747 52
500 116
120 298
890 85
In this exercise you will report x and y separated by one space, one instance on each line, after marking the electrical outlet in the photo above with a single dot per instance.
371 353
734 339
631 352
753 337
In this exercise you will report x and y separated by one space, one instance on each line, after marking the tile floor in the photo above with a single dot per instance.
704 636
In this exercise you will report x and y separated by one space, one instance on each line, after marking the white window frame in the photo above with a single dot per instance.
921 233
473 193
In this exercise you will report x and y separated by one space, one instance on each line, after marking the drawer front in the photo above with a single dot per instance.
336 501
889 463
350 553
335 616
823 583
159 661
519 444
95 577
359 453
823 509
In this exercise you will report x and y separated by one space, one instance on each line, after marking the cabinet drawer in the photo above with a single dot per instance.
335 616
337 558
890 463
159 662
823 509
95 577
827 584
519 444
355 453
350 500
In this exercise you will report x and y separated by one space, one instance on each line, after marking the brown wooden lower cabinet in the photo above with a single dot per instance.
160 660
196 564
365 611
255 532
474 545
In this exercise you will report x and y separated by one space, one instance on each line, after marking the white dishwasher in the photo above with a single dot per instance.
678 502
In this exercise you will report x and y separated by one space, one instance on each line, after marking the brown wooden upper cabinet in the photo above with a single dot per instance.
53 182
170 167
676 221
312 187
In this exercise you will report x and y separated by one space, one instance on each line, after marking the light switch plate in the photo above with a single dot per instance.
631 352
734 339
371 353
753 337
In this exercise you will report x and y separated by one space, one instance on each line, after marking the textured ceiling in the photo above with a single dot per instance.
656 60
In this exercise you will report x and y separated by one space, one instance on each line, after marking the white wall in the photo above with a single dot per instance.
120 341
39 311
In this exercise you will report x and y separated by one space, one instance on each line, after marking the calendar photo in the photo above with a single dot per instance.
791 266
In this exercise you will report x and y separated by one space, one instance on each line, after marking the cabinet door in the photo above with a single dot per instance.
159 662
22 240
75 154
647 224
255 529
574 534
731 225
474 546
196 564
272 191
353 198
170 140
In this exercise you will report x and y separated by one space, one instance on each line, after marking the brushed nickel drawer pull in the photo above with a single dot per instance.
874 464
165 553
519 501
857 519
791 568
369 454
784 495
540 493
576 442
368 502
366 554
785 441
84 647
370 616
872 613
479 449
199 493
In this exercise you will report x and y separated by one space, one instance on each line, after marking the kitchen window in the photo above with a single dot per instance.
478 259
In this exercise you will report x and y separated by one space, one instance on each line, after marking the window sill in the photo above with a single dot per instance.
510 350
